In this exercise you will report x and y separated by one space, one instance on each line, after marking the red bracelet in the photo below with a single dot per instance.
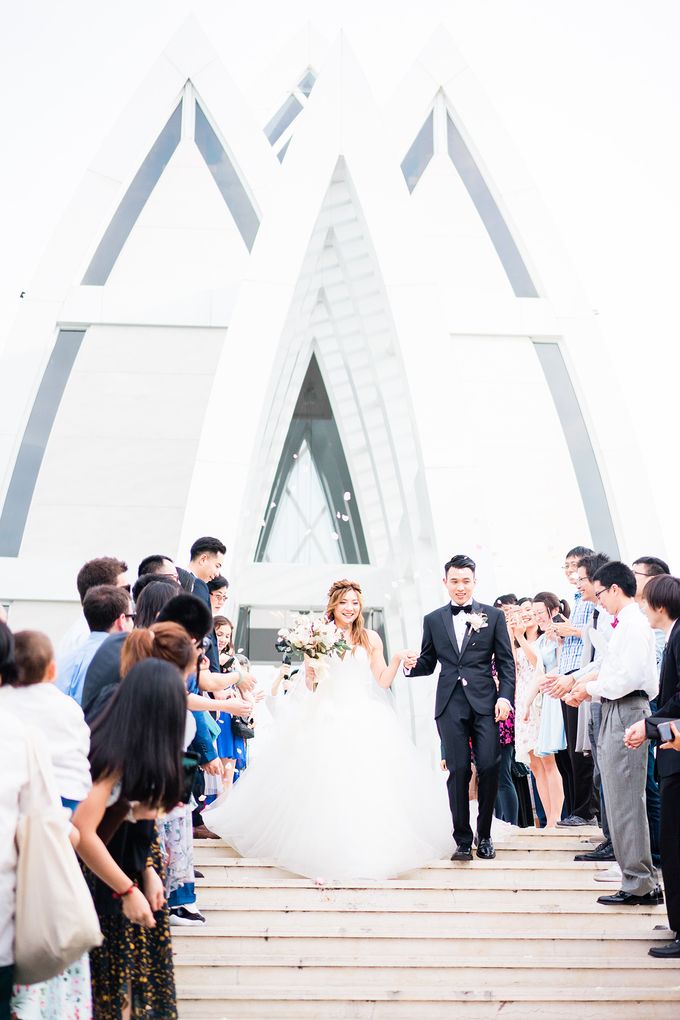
122 895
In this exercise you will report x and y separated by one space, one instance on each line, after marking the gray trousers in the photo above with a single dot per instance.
594 732
624 778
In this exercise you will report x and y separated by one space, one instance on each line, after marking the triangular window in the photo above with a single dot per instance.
312 514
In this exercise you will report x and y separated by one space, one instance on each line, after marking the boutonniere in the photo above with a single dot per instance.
476 621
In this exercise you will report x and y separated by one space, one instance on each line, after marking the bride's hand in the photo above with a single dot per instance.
408 657
310 674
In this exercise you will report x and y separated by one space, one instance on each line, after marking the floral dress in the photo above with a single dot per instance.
64 997
527 733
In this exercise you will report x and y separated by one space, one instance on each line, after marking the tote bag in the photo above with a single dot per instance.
56 921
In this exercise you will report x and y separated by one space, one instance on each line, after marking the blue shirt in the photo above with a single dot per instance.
572 649
72 668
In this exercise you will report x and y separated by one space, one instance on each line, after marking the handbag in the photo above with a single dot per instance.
240 728
56 921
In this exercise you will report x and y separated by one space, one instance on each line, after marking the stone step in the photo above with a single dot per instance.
533 852
417 899
429 972
451 879
559 1002
572 942
542 918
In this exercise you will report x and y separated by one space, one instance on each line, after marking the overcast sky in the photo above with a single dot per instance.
589 91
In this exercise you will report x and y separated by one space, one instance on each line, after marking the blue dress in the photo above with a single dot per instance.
551 736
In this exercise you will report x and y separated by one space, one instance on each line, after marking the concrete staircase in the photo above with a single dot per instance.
518 937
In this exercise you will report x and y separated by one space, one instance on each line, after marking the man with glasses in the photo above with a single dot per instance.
626 681
107 610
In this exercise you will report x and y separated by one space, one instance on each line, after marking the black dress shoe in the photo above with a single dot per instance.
198 874
666 952
624 899
485 850
603 852
463 853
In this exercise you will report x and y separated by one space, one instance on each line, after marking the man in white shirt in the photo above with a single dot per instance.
624 684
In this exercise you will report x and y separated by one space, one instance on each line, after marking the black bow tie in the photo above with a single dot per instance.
455 610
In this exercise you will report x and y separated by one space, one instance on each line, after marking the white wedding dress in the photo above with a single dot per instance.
339 791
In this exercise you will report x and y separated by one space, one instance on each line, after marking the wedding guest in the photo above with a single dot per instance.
107 610
644 568
218 589
159 565
144 580
171 643
626 680
152 599
18 741
103 674
32 696
571 632
103 570
590 664
662 606
130 769
207 555
525 630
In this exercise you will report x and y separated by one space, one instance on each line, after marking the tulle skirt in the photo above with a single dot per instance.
338 792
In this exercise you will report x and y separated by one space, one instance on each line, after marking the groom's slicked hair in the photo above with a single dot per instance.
460 562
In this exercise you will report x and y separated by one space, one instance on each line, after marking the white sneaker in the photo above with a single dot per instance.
612 874
182 915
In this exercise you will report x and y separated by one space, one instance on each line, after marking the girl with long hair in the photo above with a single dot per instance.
135 759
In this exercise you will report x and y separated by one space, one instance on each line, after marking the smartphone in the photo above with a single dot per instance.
558 618
665 732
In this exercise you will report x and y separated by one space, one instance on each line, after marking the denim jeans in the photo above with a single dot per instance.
507 804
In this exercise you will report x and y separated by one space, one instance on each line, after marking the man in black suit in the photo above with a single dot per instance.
466 637
661 602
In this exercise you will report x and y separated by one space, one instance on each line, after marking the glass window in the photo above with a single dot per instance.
282 151
133 201
226 178
312 514
36 436
282 119
307 83
580 447
492 218
419 155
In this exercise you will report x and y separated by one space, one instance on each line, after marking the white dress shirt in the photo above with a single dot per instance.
629 661
460 623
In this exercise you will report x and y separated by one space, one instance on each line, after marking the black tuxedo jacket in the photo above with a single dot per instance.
668 762
470 665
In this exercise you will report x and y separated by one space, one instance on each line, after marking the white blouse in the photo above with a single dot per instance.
67 735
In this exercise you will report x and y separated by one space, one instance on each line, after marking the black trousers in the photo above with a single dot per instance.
583 791
458 725
670 848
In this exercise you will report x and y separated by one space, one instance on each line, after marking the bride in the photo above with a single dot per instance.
339 791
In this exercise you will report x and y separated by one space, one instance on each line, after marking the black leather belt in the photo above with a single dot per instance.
633 694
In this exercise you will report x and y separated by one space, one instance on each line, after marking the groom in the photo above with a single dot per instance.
465 637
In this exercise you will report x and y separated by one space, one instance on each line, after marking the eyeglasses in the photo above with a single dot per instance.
131 616
641 573
601 592
220 596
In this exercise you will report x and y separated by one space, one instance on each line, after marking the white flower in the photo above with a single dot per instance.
476 621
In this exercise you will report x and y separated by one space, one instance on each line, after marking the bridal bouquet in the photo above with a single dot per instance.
314 636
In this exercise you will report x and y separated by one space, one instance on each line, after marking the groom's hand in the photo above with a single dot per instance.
502 710
408 658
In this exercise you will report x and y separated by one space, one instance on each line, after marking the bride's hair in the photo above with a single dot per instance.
358 633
